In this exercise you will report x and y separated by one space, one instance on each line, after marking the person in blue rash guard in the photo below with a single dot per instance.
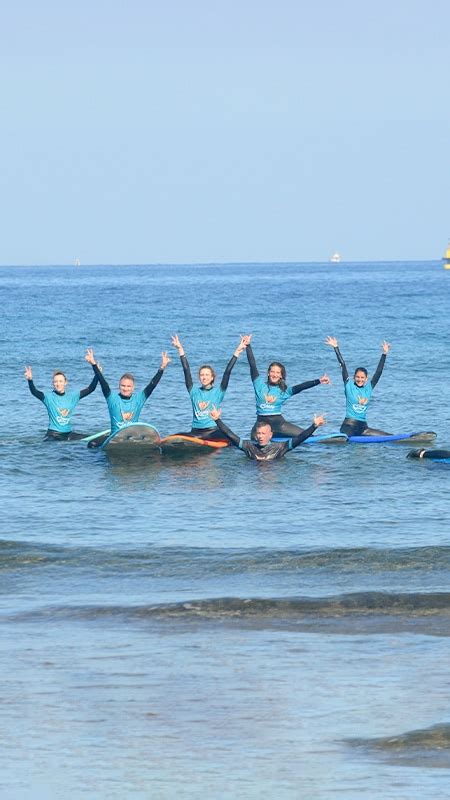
125 405
263 449
206 396
358 393
272 393
60 404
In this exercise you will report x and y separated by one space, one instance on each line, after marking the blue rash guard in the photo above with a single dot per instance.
60 408
124 411
61 405
358 398
269 398
203 401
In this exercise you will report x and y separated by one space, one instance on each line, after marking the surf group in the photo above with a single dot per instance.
271 436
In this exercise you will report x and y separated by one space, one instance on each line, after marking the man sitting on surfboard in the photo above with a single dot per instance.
264 449
125 405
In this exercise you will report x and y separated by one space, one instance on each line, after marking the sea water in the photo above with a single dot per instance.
211 626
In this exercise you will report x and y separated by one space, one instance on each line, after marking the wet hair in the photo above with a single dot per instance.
208 366
360 369
262 424
282 382
127 376
58 372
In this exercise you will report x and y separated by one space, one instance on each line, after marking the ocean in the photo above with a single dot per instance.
211 626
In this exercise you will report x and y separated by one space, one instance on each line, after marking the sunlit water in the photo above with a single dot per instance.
213 627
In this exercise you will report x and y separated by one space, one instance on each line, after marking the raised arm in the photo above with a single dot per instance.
99 375
377 374
300 387
184 362
158 375
89 389
317 421
245 341
252 363
35 392
227 432
333 342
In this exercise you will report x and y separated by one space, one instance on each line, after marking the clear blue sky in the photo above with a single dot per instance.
198 131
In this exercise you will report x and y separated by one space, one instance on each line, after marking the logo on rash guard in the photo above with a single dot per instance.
127 415
63 413
360 405
203 404
269 398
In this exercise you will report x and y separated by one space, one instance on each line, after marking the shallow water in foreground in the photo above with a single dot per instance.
211 626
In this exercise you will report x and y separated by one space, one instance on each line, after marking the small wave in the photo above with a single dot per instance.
360 605
167 561
423 747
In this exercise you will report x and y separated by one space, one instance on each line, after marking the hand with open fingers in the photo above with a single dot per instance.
164 359
28 373
385 347
215 413
331 341
177 344
90 356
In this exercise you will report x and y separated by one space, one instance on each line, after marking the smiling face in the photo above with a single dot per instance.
59 382
360 378
276 373
126 387
263 434
206 376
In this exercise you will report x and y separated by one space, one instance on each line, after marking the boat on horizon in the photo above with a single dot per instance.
335 258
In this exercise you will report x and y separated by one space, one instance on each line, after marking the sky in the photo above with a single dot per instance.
196 131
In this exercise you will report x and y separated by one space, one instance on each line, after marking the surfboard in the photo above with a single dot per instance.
323 438
95 436
138 438
179 443
421 436
441 456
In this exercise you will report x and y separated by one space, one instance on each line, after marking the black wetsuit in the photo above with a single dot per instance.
277 422
62 436
209 432
267 452
350 425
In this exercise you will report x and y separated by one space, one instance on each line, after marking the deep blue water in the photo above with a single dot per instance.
212 626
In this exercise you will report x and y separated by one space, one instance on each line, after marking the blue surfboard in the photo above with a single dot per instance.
323 438
421 436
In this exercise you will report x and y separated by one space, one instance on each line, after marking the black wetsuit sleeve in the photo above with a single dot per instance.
233 438
187 373
103 383
296 440
378 371
344 369
153 383
300 387
35 392
89 389
226 375
251 360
